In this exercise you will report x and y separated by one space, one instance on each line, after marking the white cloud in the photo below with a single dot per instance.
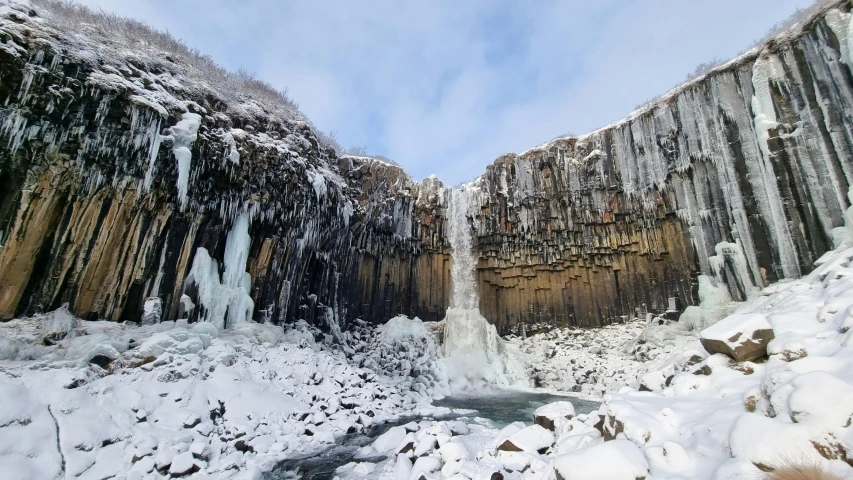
445 87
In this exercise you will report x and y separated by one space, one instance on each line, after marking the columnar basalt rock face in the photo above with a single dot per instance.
119 162
741 175
100 144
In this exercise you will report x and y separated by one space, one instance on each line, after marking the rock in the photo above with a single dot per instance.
390 439
614 460
453 452
200 450
183 464
426 465
403 467
548 416
192 420
242 446
534 438
625 181
652 381
743 337
609 427
164 458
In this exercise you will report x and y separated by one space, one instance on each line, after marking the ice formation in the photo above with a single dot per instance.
731 255
230 295
182 136
473 349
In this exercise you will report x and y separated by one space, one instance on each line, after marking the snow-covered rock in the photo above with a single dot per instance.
534 438
553 414
742 337
614 460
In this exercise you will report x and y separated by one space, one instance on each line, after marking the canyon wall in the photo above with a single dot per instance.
741 174
118 165
122 165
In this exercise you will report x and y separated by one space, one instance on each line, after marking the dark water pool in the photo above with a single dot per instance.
505 407
502 407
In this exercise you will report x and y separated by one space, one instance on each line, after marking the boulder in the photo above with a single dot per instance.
743 337
614 460
534 438
182 464
547 416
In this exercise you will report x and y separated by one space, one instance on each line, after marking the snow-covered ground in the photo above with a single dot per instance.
678 412
116 400
109 399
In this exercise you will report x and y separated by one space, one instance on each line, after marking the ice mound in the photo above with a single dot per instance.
401 328
475 353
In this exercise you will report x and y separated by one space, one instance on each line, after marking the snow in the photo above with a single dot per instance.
401 328
178 396
532 438
707 416
615 460
736 329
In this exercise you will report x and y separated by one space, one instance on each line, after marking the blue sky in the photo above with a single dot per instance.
446 86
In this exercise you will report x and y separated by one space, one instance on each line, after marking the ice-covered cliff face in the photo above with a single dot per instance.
126 171
122 164
748 165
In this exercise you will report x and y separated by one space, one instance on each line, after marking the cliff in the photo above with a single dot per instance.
129 172
741 174
123 159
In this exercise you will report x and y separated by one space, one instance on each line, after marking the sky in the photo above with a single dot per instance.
445 87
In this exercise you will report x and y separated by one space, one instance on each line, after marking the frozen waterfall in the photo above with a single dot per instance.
474 351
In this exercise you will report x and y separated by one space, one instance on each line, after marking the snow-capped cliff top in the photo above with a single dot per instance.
784 34
126 55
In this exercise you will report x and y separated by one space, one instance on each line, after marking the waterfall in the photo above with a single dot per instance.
475 352
462 271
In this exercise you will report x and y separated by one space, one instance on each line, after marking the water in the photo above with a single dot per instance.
508 406
501 407
475 353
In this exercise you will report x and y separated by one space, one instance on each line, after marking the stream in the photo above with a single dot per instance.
501 407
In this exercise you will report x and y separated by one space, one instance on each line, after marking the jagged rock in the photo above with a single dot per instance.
191 421
742 337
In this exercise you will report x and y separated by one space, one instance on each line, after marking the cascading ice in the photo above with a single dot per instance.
474 351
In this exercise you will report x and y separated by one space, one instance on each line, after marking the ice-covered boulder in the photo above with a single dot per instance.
742 337
549 415
614 460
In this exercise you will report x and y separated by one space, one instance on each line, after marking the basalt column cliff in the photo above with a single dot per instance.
741 175
128 172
